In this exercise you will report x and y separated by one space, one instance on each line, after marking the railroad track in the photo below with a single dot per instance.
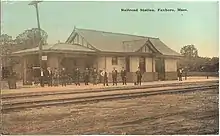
7 107
95 90
73 94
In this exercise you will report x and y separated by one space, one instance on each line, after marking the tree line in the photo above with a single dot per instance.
28 39
193 62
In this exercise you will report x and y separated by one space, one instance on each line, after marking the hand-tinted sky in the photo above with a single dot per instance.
198 26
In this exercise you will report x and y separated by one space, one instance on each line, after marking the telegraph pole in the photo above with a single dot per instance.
35 3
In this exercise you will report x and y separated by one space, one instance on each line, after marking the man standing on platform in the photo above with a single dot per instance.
86 76
41 77
179 73
114 76
185 72
94 75
105 77
139 76
49 76
63 77
123 76
56 77
77 76
101 76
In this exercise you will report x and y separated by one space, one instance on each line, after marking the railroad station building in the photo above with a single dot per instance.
106 50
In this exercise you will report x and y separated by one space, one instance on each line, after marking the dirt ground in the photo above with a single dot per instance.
189 113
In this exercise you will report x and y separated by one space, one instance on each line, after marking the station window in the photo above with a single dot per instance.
142 64
114 60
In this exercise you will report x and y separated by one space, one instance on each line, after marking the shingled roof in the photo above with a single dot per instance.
118 42
162 48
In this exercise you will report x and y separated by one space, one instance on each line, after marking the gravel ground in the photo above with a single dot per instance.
189 113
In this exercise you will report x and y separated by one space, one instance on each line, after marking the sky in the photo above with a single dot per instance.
198 25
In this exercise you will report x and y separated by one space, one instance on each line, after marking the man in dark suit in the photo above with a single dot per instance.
139 76
56 77
63 77
114 76
77 76
94 76
104 75
49 76
123 76
185 70
86 76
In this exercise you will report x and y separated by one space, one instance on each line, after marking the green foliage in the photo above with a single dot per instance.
5 39
28 39
200 64
6 43
31 37
193 62
189 51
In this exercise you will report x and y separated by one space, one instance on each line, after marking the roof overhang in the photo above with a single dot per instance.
55 48
52 51
169 56
157 55
125 54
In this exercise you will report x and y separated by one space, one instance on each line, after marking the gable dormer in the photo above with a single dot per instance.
76 38
148 47
145 49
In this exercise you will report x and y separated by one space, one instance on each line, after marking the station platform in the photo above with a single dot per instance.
32 89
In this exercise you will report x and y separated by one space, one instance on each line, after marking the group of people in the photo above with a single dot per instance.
180 73
56 77
105 76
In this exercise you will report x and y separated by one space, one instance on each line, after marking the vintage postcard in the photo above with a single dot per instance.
109 67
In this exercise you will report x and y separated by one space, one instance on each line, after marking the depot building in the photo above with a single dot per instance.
105 50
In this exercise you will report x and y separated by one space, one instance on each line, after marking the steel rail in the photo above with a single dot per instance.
107 93
94 90
82 100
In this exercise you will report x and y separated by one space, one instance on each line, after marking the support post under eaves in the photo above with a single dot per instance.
77 39
82 42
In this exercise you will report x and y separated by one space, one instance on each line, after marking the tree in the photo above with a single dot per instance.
30 37
4 38
189 51
6 43
196 64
